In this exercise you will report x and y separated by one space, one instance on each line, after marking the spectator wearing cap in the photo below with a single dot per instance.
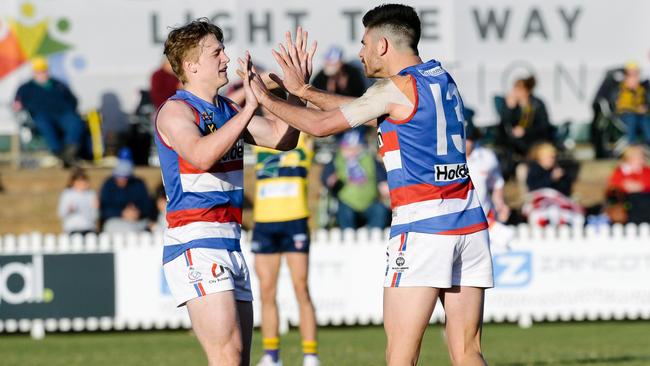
631 101
53 108
339 77
358 181
124 200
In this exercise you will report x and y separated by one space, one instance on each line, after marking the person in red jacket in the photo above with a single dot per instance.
628 189
163 84
632 175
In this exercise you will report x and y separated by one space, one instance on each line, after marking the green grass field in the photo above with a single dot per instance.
606 343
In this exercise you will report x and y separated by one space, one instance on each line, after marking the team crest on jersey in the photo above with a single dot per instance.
207 116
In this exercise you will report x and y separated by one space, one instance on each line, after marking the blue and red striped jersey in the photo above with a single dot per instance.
204 208
424 154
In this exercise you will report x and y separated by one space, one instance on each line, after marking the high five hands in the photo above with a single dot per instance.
295 61
249 76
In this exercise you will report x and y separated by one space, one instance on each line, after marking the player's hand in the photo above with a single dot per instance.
246 72
296 63
305 57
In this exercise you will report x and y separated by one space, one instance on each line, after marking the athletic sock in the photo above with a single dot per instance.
310 348
272 348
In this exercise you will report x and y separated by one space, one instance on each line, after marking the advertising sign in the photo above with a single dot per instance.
57 286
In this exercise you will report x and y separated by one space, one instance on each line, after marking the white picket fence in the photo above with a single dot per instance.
551 274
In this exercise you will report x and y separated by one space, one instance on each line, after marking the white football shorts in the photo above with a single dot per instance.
203 271
440 261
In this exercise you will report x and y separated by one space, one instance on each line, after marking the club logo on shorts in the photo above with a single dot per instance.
299 241
255 245
194 276
400 261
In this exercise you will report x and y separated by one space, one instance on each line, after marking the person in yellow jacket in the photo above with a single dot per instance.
280 213
632 101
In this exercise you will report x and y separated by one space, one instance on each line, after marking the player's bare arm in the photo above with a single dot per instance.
272 133
392 97
177 128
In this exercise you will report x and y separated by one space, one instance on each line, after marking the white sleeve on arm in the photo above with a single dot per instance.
374 103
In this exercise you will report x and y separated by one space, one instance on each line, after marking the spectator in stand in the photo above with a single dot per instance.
115 124
629 188
631 101
355 178
160 215
549 185
124 201
524 122
53 108
78 205
163 83
545 172
339 77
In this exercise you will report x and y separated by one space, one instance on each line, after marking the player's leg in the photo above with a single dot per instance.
299 266
463 303
418 266
267 268
215 323
213 283
406 321
265 245
245 314
295 245
464 320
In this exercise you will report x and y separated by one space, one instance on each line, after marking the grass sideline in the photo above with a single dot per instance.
594 343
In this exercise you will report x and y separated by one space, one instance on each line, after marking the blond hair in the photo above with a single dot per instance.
627 153
541 149
183 43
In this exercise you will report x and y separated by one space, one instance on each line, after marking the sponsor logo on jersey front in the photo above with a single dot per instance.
450 172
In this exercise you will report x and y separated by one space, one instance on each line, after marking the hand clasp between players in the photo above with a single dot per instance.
294 60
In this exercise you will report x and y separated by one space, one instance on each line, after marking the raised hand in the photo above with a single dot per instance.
295 61
247 73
